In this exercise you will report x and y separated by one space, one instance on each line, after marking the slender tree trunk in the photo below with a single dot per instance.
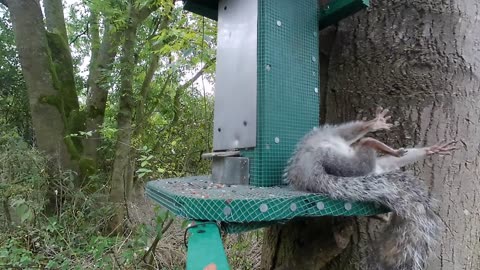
150 72
121 176
122 171
94 34
98 90
44 96
421 59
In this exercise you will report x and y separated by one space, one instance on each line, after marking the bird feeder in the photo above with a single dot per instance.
266 99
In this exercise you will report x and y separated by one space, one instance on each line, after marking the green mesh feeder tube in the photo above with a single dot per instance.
266 99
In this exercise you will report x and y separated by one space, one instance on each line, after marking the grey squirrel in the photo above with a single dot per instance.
336 161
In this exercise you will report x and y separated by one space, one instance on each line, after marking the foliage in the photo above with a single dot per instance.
49 222
22 179
71 238
62 244
175 128
14 113
177 152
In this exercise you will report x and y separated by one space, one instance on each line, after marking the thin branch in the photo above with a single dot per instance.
181 89
79 35
199 73
166 227
161 93
153 66
114 255
154 244
155 27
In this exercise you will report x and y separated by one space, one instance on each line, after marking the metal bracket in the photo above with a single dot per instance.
220 154
231 170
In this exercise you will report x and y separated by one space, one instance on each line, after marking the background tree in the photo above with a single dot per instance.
95 79
157 52
419 58
14 111
47 98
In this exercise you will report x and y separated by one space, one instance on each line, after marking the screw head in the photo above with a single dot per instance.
316 90
348 206
279 23
277 140
263 208
315 33
227 211
320 205
268 67
314 59
293 207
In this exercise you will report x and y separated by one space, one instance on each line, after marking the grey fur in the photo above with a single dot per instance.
319 166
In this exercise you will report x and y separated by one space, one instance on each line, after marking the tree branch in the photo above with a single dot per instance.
152 67
94 33
148 256
79 35
199 73
162 91
146 10
181 89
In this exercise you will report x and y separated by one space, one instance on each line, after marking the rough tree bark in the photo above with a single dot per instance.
54 17
44 95
63 63
420 58
122 171
98 89
120 183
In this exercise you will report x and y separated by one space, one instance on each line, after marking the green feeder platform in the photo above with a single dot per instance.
266 99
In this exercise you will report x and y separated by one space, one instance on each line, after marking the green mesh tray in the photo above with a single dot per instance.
198 198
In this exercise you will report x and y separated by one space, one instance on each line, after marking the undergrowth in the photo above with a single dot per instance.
48 223
64 231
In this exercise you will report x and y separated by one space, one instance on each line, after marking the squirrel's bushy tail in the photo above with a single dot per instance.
410 236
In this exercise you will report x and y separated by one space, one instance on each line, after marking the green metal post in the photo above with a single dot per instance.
205 247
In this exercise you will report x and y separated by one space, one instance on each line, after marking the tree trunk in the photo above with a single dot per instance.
54 17
44 96
123 170
98 90
421 59
63 63
121 176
